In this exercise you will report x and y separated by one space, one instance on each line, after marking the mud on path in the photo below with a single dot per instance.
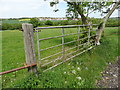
110 76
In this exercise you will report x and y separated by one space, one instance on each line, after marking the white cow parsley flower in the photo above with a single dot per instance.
78 68
73 71
79 78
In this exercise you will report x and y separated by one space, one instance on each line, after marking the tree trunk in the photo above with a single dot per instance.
84 19
79 10
102 24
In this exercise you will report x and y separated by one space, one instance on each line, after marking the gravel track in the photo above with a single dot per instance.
110 76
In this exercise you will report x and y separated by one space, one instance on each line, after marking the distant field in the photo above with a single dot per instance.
24 19
16 21
13 56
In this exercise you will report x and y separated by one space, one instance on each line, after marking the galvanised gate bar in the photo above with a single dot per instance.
89 44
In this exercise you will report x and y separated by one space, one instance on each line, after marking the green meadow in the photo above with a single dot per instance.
80 72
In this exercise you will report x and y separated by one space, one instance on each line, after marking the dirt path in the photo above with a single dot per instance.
110 76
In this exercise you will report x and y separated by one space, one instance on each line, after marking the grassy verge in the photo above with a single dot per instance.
81 72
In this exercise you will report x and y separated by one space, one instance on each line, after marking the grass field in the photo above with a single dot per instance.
16 21
82 71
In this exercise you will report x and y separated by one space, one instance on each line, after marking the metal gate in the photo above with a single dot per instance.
82 45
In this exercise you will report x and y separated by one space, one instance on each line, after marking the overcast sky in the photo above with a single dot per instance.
35 8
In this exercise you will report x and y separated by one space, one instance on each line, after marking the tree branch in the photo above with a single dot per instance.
102 24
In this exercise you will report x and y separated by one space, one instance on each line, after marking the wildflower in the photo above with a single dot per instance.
79 78
72 66
74 72
64 72
77 63
86 68
115 75
65 81
78 68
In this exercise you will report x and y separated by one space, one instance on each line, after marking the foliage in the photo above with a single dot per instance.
48 22
7 26
113 22
16 24
83 9
10 21
34 21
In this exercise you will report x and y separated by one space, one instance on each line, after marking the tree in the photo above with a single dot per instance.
81 8
48 22
34 21
103 22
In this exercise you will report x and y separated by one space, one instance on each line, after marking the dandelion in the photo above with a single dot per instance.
79 78
73 71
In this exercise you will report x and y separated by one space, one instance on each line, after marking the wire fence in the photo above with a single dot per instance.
63 56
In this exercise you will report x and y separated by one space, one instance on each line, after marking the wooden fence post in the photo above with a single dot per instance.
29 46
